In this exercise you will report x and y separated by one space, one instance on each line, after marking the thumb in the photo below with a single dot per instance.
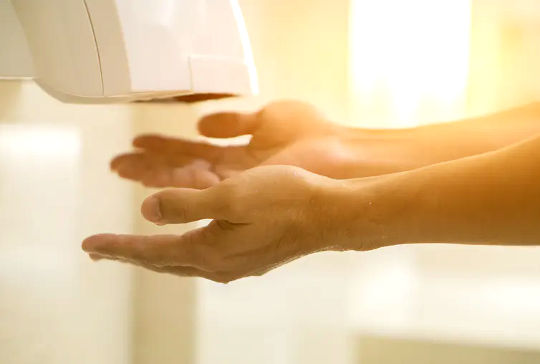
228 125
182 205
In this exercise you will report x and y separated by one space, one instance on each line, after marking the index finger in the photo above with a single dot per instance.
162 144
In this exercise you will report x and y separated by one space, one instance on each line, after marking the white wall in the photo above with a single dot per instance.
55 189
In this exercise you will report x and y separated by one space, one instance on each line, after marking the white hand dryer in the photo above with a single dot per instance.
97 51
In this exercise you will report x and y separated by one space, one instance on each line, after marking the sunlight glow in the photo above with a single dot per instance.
409 60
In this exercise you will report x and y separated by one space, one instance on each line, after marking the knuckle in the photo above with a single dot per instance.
173 212
179 213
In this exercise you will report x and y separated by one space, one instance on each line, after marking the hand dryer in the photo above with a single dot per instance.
99 51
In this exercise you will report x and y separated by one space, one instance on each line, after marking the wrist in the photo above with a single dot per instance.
345 215
370 213
377 152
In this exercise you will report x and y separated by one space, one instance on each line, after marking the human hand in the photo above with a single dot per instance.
263 218
285 133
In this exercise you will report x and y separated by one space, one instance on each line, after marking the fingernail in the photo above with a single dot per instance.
86 245
151 209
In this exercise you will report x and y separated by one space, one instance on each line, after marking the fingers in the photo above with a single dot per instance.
179 271
190 255
134 165
159 251
196 174
220 277
139 159
155 171
175 146
169 162
228 125
183 205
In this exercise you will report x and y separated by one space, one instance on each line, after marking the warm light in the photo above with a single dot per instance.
41 142
409 60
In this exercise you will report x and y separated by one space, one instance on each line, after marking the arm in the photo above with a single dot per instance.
269 216
493 199
394 150
294 133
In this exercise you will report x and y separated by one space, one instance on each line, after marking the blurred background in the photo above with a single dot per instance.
368 63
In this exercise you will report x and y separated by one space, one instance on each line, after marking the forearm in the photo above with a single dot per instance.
404 149
493 198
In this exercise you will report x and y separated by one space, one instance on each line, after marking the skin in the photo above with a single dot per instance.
467 182
295 133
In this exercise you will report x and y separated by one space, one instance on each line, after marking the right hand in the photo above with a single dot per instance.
263 218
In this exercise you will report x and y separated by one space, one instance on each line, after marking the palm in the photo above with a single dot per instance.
288 133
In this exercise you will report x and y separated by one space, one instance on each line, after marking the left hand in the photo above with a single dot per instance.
283 133
263 218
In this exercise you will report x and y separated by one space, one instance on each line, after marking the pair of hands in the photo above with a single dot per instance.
271 200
